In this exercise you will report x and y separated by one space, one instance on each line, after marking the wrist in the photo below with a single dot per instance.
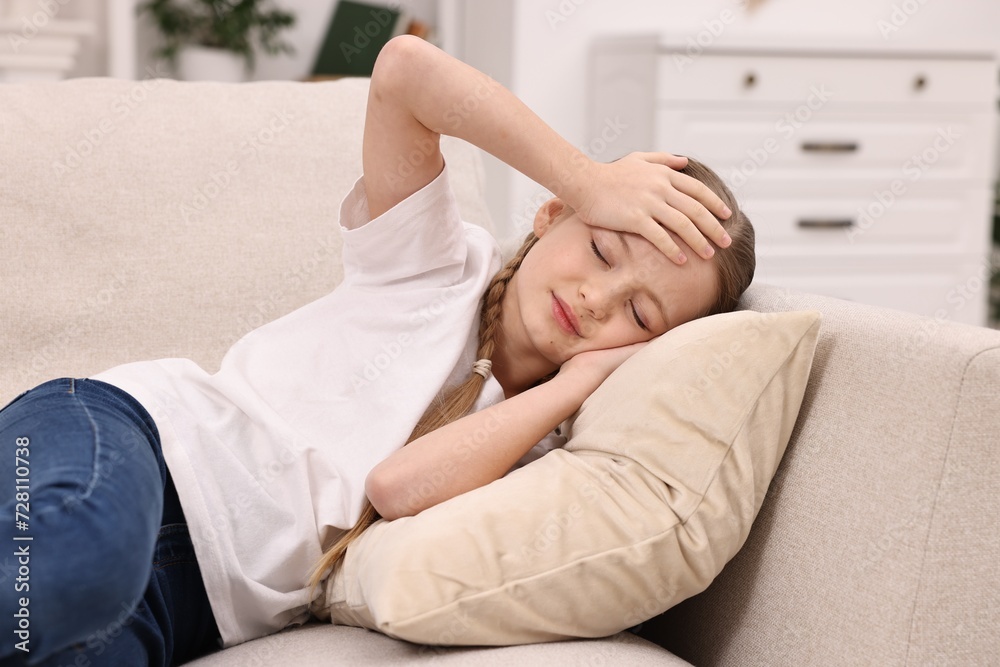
575 385
574 183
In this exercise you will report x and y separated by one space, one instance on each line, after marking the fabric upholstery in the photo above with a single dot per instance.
159 218
878 540
321 645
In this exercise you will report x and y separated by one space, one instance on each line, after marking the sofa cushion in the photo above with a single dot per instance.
665 469
320 644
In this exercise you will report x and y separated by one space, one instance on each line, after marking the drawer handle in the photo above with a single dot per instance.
920 82
829 146
826 223
750 80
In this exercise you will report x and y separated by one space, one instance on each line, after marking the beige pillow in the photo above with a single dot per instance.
665 470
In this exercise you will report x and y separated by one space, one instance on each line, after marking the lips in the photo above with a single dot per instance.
564 317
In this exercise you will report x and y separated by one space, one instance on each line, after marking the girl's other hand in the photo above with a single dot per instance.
643 194
589 369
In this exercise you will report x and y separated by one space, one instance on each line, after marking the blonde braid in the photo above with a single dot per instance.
454 405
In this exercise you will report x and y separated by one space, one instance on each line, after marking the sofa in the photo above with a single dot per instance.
156 218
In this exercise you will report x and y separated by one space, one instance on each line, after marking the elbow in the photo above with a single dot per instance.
395 62
383 494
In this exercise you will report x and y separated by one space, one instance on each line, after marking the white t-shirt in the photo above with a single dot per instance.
270 454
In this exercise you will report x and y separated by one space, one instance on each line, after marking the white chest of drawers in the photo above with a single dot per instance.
868 175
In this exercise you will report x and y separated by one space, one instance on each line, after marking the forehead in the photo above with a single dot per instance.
685 290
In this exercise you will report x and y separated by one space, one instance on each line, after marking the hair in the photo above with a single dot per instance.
737 263
736 267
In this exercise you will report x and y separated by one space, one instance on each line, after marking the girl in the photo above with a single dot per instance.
244 487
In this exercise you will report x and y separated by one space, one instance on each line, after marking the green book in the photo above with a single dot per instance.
356 34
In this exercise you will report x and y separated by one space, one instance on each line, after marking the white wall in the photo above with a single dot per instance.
548 49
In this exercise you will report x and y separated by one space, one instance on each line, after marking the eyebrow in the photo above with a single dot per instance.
651 293
625 246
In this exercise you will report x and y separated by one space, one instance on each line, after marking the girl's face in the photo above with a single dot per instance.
584 288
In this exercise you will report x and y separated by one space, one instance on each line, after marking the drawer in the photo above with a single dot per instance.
756 77
745 145
957 292
862 221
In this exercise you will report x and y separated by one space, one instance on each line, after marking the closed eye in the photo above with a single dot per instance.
593 246
637 320
635 314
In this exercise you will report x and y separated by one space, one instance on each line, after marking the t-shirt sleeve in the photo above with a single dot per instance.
420 238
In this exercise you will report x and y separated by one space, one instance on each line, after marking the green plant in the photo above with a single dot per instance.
240 26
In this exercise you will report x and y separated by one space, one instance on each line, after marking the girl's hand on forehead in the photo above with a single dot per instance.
643 194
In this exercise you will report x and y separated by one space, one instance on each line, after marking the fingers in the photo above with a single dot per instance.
672 201
695 200
690 185
679 216
686 218
705 196
658 236
666 159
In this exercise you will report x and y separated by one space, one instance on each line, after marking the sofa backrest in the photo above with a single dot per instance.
878 541
151 219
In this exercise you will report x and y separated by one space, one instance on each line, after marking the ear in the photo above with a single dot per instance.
546 215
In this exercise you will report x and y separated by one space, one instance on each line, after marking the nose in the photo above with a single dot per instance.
599 297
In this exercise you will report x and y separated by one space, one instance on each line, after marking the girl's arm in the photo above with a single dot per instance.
418 93
479 448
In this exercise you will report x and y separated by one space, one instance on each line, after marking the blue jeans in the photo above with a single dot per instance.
96 564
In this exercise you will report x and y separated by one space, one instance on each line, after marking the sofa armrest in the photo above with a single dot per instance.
878 537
